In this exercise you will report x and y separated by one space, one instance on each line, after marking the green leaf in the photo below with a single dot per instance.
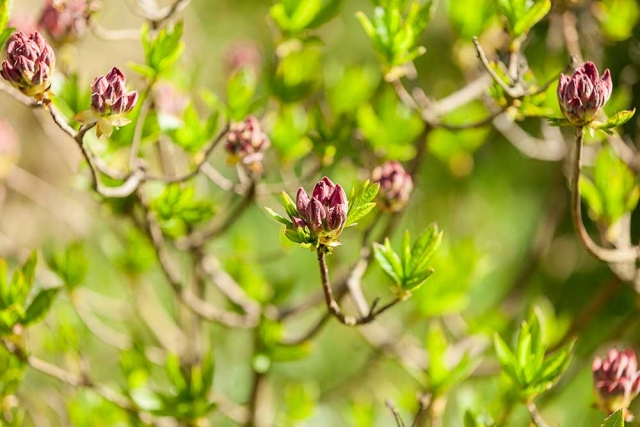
534 15
278 217
619 119
614 420
143 70
5 13
362 202
29 268
40 305
506 358
425 247
330 9
558 121
591 195
388 261
288 204
554 366
241 88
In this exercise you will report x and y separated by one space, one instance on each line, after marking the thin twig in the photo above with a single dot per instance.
204 157
487 66
332 304
199 306
214 229
536 417
618 255
394 411
312 332
77 381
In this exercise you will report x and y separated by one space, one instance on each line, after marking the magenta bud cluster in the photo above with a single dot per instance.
29 65
616 380
65 21
109 94
583 94
246 143
396 185
324 213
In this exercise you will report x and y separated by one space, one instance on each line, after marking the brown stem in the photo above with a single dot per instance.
334 307
619 255
536 417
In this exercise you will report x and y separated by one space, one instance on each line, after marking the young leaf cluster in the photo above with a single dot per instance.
527 365
295 16
409 269
16 308
186 398
70 264
396 34
178 209
613 191
522 15
161 51
5 13
441 376
361 202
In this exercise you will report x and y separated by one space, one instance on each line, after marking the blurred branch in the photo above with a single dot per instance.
228 286
204 157
312 332
139 127
199 306
536 417
618 255
552 148
334 307
216 228
113 35
394 411
77 381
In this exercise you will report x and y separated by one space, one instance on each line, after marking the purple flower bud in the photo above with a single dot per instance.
29 64
302 201
323 190
65 20
616 381
324 213
583 94
336 218
316 215
246 142
298 223
109 96
338 197
395 185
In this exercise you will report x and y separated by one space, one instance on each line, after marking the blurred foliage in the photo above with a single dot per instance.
322 77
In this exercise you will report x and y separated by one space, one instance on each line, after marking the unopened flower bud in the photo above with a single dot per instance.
583 94
65 21
29 65
110 102
245 142
325 213
395 185
616 381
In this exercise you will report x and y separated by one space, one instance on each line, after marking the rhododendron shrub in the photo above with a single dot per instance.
319 213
